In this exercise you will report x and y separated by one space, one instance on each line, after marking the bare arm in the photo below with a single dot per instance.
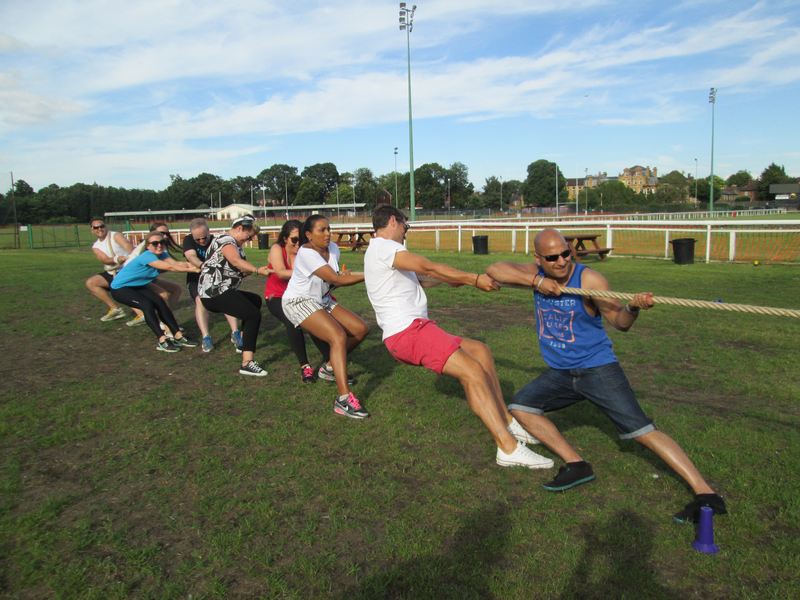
170 264
620 317
192 258
231 254
326 273
123 242
408 261
279 267
523 274
104 258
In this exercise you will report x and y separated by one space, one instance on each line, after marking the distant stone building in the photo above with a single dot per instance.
576 185
640 179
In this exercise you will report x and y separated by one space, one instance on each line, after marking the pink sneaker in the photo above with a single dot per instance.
349 406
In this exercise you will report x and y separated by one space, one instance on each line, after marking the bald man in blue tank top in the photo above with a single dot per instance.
583 366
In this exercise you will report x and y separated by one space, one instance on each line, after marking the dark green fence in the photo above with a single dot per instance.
45 236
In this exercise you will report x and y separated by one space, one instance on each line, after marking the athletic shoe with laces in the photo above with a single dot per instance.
236 340
207 343
326 373
166 330
522 456
113 314
167 346
137 320
349 406
570 475
252 368
519 432
185 342
691 512
307 374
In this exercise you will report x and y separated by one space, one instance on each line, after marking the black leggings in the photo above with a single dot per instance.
297 340
242 305
151 304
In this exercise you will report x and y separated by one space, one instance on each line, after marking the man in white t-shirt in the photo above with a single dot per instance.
111 248
401 308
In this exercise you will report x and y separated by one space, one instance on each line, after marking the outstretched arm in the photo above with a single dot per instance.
408 261
619 316
326 273
170 264
523 274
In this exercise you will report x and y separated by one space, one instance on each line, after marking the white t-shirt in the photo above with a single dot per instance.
111 248
395 294
304 284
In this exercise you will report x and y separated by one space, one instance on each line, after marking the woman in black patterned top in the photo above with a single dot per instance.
218 288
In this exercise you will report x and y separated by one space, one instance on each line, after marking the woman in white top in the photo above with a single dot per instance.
307 303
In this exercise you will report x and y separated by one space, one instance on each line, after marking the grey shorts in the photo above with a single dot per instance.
298 310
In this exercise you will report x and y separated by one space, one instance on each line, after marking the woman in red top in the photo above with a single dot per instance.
281 260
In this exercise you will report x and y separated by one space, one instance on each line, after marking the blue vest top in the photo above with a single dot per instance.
570 338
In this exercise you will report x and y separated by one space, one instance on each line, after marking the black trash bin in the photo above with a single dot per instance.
683 251
480 244
263 241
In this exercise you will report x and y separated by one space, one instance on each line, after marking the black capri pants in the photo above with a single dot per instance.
152 306
297 340
245 306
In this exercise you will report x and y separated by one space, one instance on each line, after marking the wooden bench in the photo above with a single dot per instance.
577 244
352 239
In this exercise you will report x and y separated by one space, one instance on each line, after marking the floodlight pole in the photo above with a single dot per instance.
501 195
286 194
407 24
695 180
556 166
586 187
712 98
396 198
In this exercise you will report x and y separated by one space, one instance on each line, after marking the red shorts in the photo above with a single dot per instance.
423 343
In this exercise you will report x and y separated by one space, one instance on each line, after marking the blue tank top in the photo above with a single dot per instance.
569 337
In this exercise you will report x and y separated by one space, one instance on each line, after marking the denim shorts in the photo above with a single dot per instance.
606 387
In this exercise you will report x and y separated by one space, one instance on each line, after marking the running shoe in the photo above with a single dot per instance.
236 340
570 475
113 314
325 372
691 513
519 432
167 346
307 374
185 342
137 320
522 456
207 343
252 368
166 330
349 406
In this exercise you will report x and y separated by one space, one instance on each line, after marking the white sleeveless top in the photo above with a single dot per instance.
111 248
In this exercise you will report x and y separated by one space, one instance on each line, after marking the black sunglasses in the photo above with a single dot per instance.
554 257
98 226
294 239
158 243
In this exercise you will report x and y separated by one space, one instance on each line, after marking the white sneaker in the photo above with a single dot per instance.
113 314
519 432
522 456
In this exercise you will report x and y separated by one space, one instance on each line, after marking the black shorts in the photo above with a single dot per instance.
191 285
107 276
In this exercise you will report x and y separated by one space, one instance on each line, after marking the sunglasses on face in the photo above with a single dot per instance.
294 239
406 226
201 238
98 226
158 243
554 257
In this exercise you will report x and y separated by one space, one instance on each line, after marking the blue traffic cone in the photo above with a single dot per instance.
704 540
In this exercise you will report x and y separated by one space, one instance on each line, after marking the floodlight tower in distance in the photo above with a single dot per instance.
407 24
396 198
712 99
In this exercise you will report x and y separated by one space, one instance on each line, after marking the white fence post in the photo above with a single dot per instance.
513 241
708 243
459 239
666 244
609 237
437 240
732 246
527 239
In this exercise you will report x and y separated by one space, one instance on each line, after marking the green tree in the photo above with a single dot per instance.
772 174
326 174
366 187
310 191
430 183
740 179
245 189
279 181
540 186
673 188
703 191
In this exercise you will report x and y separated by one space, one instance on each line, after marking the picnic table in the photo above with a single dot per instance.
577 244
352 239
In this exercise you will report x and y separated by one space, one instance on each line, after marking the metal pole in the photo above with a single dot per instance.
286 195
712 98
586 188
557 215
695 180
501 195
14 210
396 197
407 22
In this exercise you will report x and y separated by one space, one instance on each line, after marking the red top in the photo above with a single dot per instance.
275 286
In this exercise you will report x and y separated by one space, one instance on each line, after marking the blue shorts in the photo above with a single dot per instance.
605 386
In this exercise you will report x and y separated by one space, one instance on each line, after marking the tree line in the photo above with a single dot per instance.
436 188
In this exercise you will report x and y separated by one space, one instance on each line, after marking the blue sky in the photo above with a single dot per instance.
127 93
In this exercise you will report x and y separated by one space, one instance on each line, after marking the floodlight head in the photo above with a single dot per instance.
403 5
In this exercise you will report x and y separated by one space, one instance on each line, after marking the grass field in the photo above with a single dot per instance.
125 472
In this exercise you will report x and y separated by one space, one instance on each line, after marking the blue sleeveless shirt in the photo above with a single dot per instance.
569 337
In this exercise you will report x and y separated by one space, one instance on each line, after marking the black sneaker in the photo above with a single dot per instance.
570 475
167 346
184 342
691 512
252 368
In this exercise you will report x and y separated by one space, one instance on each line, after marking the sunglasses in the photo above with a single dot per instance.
295 239
98 226
554 257
198 239
158 243
406 226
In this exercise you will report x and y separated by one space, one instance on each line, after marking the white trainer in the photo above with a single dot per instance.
519 432
523 456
